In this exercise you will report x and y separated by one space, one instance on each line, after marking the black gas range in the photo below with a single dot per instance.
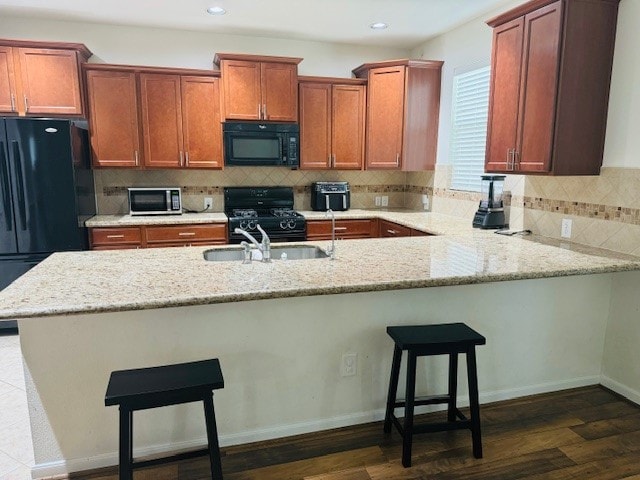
269 207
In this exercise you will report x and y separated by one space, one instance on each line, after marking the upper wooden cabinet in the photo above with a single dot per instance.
551 70
403 106
259 87
154 118
41 78
332 120
113 118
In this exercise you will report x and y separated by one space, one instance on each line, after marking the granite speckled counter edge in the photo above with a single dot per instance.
121 280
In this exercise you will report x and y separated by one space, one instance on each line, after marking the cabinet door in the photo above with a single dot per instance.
7 82
503 99
241 89
113 113
201 122
161 120
50 81
279 92
385 110
315 126
538 88
347 136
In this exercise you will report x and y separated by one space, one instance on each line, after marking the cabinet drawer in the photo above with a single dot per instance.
321 229
187 234
391 229
108 236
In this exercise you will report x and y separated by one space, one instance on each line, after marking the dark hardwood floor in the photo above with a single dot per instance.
581 434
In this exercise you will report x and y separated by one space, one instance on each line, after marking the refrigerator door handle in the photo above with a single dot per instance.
4 185
19 182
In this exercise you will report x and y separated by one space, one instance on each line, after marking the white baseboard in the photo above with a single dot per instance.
109 459
623 390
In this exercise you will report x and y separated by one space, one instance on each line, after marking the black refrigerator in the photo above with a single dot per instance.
46 193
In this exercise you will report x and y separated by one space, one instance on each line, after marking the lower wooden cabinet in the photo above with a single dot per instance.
184 235
392 229
112 238
345 229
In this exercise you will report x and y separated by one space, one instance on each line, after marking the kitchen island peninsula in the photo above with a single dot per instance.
281 329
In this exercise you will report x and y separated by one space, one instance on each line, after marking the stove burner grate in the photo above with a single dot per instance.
283 212
244 212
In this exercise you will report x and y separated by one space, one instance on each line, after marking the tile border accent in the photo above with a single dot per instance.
584 209
111 191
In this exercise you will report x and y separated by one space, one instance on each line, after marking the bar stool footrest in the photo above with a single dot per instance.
427 400
202 452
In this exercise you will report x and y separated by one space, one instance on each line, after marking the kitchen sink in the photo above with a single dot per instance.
293 252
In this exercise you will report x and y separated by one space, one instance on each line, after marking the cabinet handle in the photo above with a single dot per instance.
26 104
516 162
329 159
187 234
13 102
397 159
259 112
137 157
334 160
264 111
181 157
340 228
392 232
186 158
510 159
115 236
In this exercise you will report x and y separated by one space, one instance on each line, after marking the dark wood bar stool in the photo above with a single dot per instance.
425 340
144 388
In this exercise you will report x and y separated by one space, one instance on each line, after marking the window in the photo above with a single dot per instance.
469 128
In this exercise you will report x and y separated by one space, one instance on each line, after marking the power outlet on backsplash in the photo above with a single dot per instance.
208 203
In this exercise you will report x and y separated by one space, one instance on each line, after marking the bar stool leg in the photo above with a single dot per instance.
126 444
407 439
212 438
453 386
474 403
393 387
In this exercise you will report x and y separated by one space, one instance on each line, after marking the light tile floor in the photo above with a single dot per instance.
16 449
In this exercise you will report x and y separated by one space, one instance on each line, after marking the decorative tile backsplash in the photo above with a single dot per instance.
605 209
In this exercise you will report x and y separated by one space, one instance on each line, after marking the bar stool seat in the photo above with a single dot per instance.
425 340
144 388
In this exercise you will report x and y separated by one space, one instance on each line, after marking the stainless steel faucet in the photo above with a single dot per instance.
264 247
332 250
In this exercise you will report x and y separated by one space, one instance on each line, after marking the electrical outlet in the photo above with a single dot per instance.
349 364
425 202
208 203
385 201
378 201
565 231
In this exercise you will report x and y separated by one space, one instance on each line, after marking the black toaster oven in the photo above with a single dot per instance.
330 195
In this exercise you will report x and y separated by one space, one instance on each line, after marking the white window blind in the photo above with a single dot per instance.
469 128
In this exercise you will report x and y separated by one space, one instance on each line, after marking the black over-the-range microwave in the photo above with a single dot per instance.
261 144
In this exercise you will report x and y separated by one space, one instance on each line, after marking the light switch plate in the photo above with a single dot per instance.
385 201
565 231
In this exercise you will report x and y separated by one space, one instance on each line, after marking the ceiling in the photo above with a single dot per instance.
411 22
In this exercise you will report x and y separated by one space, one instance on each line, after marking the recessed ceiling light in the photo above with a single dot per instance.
379 26
216 11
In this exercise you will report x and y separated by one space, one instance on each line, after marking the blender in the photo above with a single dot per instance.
490 213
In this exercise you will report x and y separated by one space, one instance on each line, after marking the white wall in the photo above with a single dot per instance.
470 44
621 362
188 49
622 141
281 361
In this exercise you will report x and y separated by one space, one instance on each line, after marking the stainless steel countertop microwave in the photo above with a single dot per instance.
155 201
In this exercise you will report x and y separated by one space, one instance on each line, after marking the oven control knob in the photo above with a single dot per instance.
283 224
291 224
243 224
251 225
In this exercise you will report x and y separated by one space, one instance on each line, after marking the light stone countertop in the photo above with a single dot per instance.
137 220
121 280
